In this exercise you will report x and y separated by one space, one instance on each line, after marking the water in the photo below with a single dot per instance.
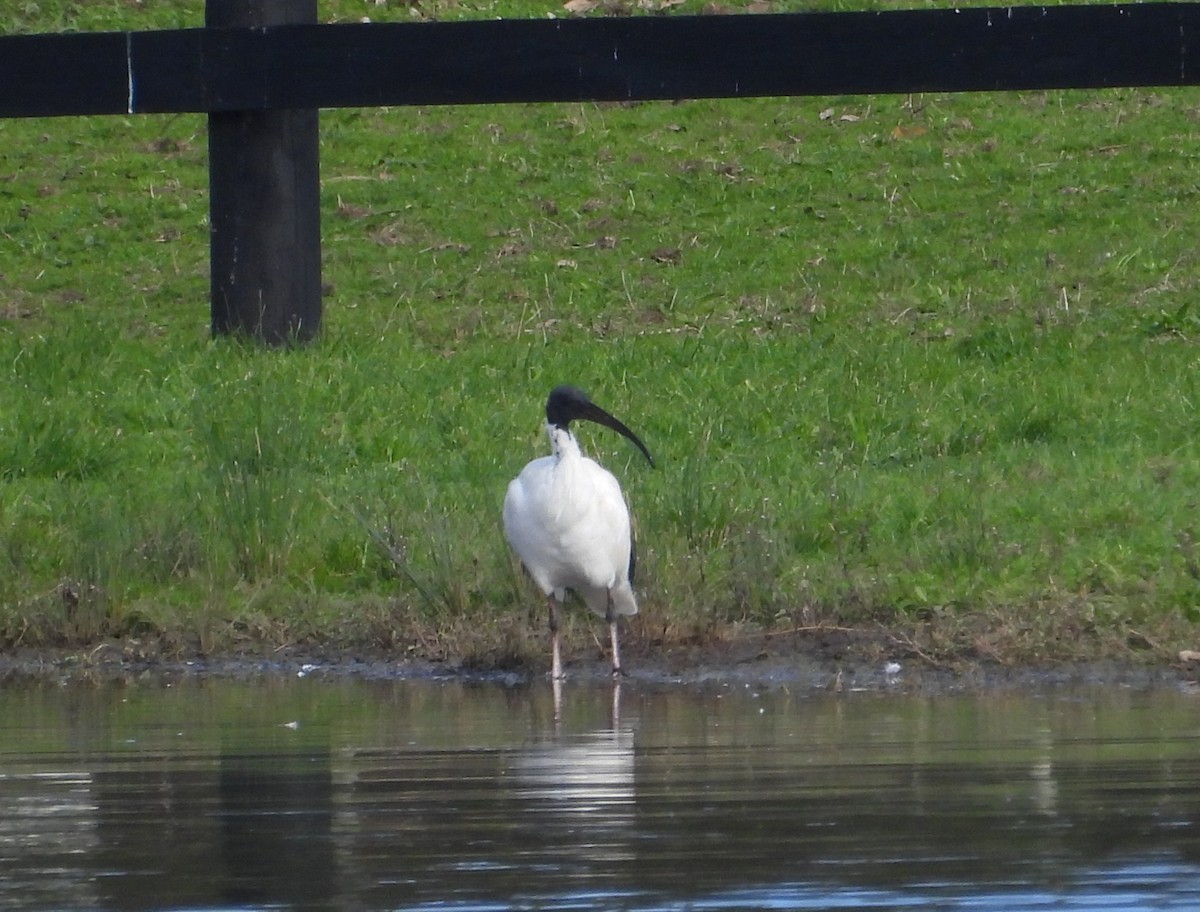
427 795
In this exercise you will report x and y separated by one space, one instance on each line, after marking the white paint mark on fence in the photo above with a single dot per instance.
129 71
1182 54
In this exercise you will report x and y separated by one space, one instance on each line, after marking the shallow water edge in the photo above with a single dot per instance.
793 671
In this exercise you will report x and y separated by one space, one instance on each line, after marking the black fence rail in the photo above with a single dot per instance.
261 69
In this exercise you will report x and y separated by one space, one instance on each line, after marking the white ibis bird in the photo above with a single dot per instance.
567 519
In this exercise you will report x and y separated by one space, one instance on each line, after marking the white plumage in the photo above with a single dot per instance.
567 519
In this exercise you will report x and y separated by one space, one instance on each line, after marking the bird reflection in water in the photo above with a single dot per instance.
577 791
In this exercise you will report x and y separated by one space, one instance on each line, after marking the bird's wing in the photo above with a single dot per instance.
525 522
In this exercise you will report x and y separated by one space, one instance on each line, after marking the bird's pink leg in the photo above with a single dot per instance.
612 635
556 671
616 654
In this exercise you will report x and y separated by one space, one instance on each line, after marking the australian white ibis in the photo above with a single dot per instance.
567 519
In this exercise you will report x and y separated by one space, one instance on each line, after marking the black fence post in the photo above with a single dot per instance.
264 208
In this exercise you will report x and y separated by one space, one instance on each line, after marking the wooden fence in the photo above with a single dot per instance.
261 70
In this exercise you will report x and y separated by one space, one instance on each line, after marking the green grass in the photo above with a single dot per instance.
928 362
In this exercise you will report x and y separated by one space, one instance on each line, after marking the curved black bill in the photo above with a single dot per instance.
567 403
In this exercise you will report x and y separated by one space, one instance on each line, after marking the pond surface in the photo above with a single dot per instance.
426 795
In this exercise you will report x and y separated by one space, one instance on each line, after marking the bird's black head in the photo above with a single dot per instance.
568 403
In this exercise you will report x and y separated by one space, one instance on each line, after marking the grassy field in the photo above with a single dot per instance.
923 363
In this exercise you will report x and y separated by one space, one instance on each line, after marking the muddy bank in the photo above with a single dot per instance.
837 661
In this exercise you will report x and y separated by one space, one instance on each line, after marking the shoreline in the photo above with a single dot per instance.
796 663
